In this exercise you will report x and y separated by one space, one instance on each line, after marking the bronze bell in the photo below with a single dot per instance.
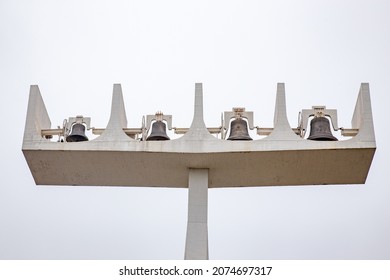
320 130
77 134
159 132
239 130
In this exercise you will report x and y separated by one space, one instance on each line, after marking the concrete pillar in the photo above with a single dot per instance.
197 235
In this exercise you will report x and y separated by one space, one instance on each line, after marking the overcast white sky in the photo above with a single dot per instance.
76 50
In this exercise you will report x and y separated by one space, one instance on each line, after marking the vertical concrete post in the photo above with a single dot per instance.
197 234
118 120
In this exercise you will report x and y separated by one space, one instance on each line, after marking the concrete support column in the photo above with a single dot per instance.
197 234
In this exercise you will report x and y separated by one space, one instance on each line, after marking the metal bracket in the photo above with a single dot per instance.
66 127
159 116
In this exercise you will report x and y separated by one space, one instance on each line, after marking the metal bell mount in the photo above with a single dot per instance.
76 128
159 128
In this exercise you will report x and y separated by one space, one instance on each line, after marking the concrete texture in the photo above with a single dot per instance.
197 237
282 158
